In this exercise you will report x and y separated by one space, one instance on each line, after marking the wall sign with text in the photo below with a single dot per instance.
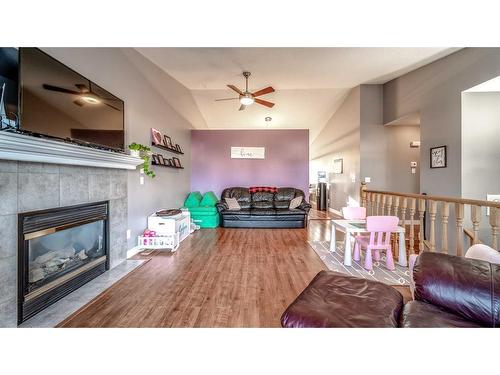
248 152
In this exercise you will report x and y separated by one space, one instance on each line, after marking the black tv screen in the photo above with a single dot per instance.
56 101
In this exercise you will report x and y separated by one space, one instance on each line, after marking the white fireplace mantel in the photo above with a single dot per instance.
21 147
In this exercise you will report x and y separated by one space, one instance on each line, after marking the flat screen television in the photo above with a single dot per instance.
58 102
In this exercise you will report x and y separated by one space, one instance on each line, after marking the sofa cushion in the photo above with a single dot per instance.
285 194
287 212
282 204
241 194
263 196
333 299
209 199
417 314
241 214
466 287
193 199
263 212
263 204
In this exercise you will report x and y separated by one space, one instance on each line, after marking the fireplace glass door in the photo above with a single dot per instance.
56 252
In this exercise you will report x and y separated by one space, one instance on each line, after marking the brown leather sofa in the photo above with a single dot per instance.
450 291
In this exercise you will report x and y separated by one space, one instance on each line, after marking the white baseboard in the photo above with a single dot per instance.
133 251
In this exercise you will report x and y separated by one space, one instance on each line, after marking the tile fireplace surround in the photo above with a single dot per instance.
27 186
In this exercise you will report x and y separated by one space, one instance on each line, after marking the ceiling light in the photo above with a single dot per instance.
90 99
246 99
268 119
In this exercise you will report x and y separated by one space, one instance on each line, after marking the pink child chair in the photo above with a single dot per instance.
354 213
380 229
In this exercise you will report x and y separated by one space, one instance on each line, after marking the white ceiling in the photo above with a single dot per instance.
310 83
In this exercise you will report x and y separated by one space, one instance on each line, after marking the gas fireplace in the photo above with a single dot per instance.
60 250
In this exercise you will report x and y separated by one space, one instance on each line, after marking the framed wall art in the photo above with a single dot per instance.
438 157
156 137
338 166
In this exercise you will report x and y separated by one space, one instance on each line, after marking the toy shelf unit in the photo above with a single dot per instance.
167 242
170 231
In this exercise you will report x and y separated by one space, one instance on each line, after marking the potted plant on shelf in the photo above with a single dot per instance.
143 152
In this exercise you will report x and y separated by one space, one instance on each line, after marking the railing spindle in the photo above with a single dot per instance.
389 205
363 195
432 220
459 213
445 213
396 206
475 212
377 203
412 225
421 213
494 223
372 204
384 200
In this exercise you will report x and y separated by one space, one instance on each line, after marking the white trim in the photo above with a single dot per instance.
22 147
133 251
335 211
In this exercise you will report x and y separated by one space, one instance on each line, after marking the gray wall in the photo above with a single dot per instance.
340 139
385 150
480 150
399 155
373 147
435 90
153 99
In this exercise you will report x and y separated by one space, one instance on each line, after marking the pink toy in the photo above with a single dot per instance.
354 213
380 229
148 233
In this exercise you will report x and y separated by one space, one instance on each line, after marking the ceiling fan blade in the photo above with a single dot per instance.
109 105
265 91
59 89
219 100
242 107
83 88
79 102
234 88
264 102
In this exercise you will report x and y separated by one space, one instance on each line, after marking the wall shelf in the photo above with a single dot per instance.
167 148
166 166
14 146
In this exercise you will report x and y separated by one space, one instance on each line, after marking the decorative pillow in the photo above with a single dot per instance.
295 202
232 204
268 189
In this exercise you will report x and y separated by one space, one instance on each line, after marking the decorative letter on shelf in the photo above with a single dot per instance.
248 152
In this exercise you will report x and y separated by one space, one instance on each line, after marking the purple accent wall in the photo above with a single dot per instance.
286 162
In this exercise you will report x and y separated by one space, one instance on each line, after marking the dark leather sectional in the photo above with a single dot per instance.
450 291
263 209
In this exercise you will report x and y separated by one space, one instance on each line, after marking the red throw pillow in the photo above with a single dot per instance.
267 189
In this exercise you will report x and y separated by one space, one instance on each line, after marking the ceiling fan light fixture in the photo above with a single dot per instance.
90 99
246 99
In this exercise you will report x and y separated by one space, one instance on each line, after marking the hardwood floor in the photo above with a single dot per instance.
217 278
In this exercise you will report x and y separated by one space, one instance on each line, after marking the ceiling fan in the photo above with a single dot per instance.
247 98
84 93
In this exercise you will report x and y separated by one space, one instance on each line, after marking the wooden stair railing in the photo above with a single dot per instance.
412 209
